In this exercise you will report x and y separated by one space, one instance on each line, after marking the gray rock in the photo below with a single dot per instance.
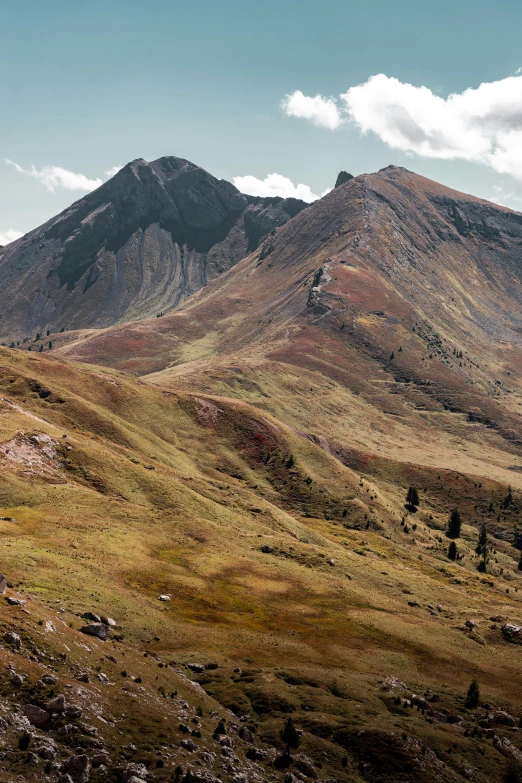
91 616
13 639
134 770
196 667
440 717
56 705
78 767
47 752
510 631
14 601
246 735
17 680
305 765
108 621
72 711
100 758
49 679
99 630
267 549
35 715
3 584
502 718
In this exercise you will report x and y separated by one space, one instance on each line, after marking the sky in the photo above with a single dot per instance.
277 96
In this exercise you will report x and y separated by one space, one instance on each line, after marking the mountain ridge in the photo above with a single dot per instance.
139 244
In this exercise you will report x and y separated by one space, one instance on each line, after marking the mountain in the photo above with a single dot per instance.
138 245
249 456
391 290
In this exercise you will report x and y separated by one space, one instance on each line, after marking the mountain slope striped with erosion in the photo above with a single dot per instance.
137 246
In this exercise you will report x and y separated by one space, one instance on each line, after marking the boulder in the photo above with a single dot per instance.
305 765
246 735
134 771
13 639
196 667
502 718
392 683
56 705
49 679
164 597
35 715
14 601
108 621
72 711
100 630
510 631
267 549
78 767
95 618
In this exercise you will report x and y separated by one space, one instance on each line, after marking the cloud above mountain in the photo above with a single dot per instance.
275 185
9 236
482 125
56 177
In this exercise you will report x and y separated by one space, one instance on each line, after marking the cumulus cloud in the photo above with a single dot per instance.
482 124
53 177
112 171
9 236
275 185
323 112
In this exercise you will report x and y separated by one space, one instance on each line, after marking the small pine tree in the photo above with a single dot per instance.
482 540
454 524
452 551
392 356
509 498
412 498
291 736
473 695
40 349
50 345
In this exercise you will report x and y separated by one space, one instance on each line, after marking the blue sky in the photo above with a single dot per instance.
89 86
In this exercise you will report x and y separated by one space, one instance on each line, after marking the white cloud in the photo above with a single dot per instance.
275 185
506 197
323 112
112 171
9 236
53 177
483 125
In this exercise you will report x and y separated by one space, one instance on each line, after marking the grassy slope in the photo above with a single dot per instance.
97 529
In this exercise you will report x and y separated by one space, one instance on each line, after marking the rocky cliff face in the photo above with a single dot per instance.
138 245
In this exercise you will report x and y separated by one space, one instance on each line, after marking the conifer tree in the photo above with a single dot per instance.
452 551
412 498
454 524
473 696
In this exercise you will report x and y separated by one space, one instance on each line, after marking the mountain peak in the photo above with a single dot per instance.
342 178
146 239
